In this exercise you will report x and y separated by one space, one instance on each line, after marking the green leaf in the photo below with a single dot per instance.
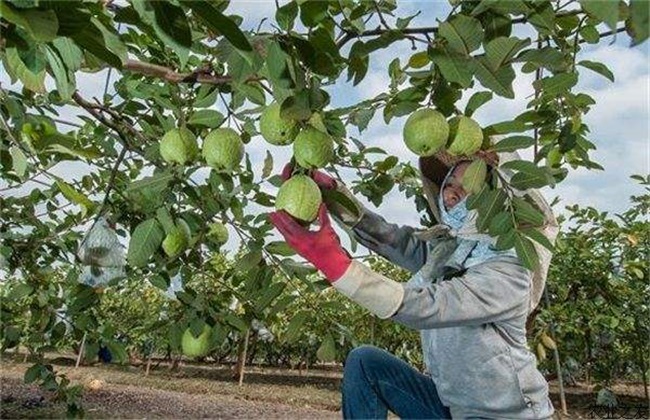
33 373
474 177
526 213
490 203
270 294
219 23
268 165
236 322
19 291
90 153
280 248
172 27
69 52
17 69
506 240
64 85
419 60
455 68
599 68
18 160
538 237
499 51
74 196
501 223
464 34
148 192
547 57
312 12
606 11
206 118
513 143
500 81
638 24
542 17
526 251
557 84
145 240
590 34
249 261
529 175
286 15
166 220
118 351
102 43
476 101
42 25
295 327
327 351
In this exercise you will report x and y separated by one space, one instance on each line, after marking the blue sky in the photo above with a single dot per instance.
619 121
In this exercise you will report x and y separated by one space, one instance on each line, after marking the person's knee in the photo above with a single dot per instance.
361 359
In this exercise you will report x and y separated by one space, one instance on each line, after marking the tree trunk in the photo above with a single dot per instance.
81 351
146 371
241 358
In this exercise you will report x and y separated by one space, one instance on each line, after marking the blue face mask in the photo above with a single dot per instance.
456 216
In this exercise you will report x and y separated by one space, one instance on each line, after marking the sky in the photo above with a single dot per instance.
619 121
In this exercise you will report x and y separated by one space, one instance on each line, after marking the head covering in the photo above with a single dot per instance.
433 173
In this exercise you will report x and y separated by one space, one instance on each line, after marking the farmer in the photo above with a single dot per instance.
469 302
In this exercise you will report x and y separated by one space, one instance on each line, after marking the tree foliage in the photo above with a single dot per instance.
194 65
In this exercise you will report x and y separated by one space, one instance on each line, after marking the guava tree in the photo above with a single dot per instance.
599 287
189 90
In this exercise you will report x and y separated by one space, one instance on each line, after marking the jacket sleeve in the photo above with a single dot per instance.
488 292
396 243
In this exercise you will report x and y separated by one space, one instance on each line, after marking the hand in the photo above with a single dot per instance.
322 247
321 178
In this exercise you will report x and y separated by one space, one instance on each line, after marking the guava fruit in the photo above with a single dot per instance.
275 129
312 148
425 132
300 197
465 136
223 149
196 346
218 233
175 242
179 146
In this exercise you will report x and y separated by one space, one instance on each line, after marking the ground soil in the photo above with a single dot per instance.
211 391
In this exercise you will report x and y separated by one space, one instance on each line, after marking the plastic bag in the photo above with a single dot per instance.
175 285
102 255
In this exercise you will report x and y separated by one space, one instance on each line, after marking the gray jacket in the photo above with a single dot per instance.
472 322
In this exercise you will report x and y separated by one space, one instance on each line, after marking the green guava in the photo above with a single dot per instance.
275 129
300 197
175 242
313 149
425 132
196 346
218 233
223 149
465 136
179 146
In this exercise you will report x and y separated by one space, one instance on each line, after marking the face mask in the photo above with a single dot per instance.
455 217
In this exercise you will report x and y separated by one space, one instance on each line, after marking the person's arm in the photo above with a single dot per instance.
488 292
396 243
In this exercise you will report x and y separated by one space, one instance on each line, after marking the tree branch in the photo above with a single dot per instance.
170 75
425 30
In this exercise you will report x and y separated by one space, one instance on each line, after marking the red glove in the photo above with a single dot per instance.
322 248
321 178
